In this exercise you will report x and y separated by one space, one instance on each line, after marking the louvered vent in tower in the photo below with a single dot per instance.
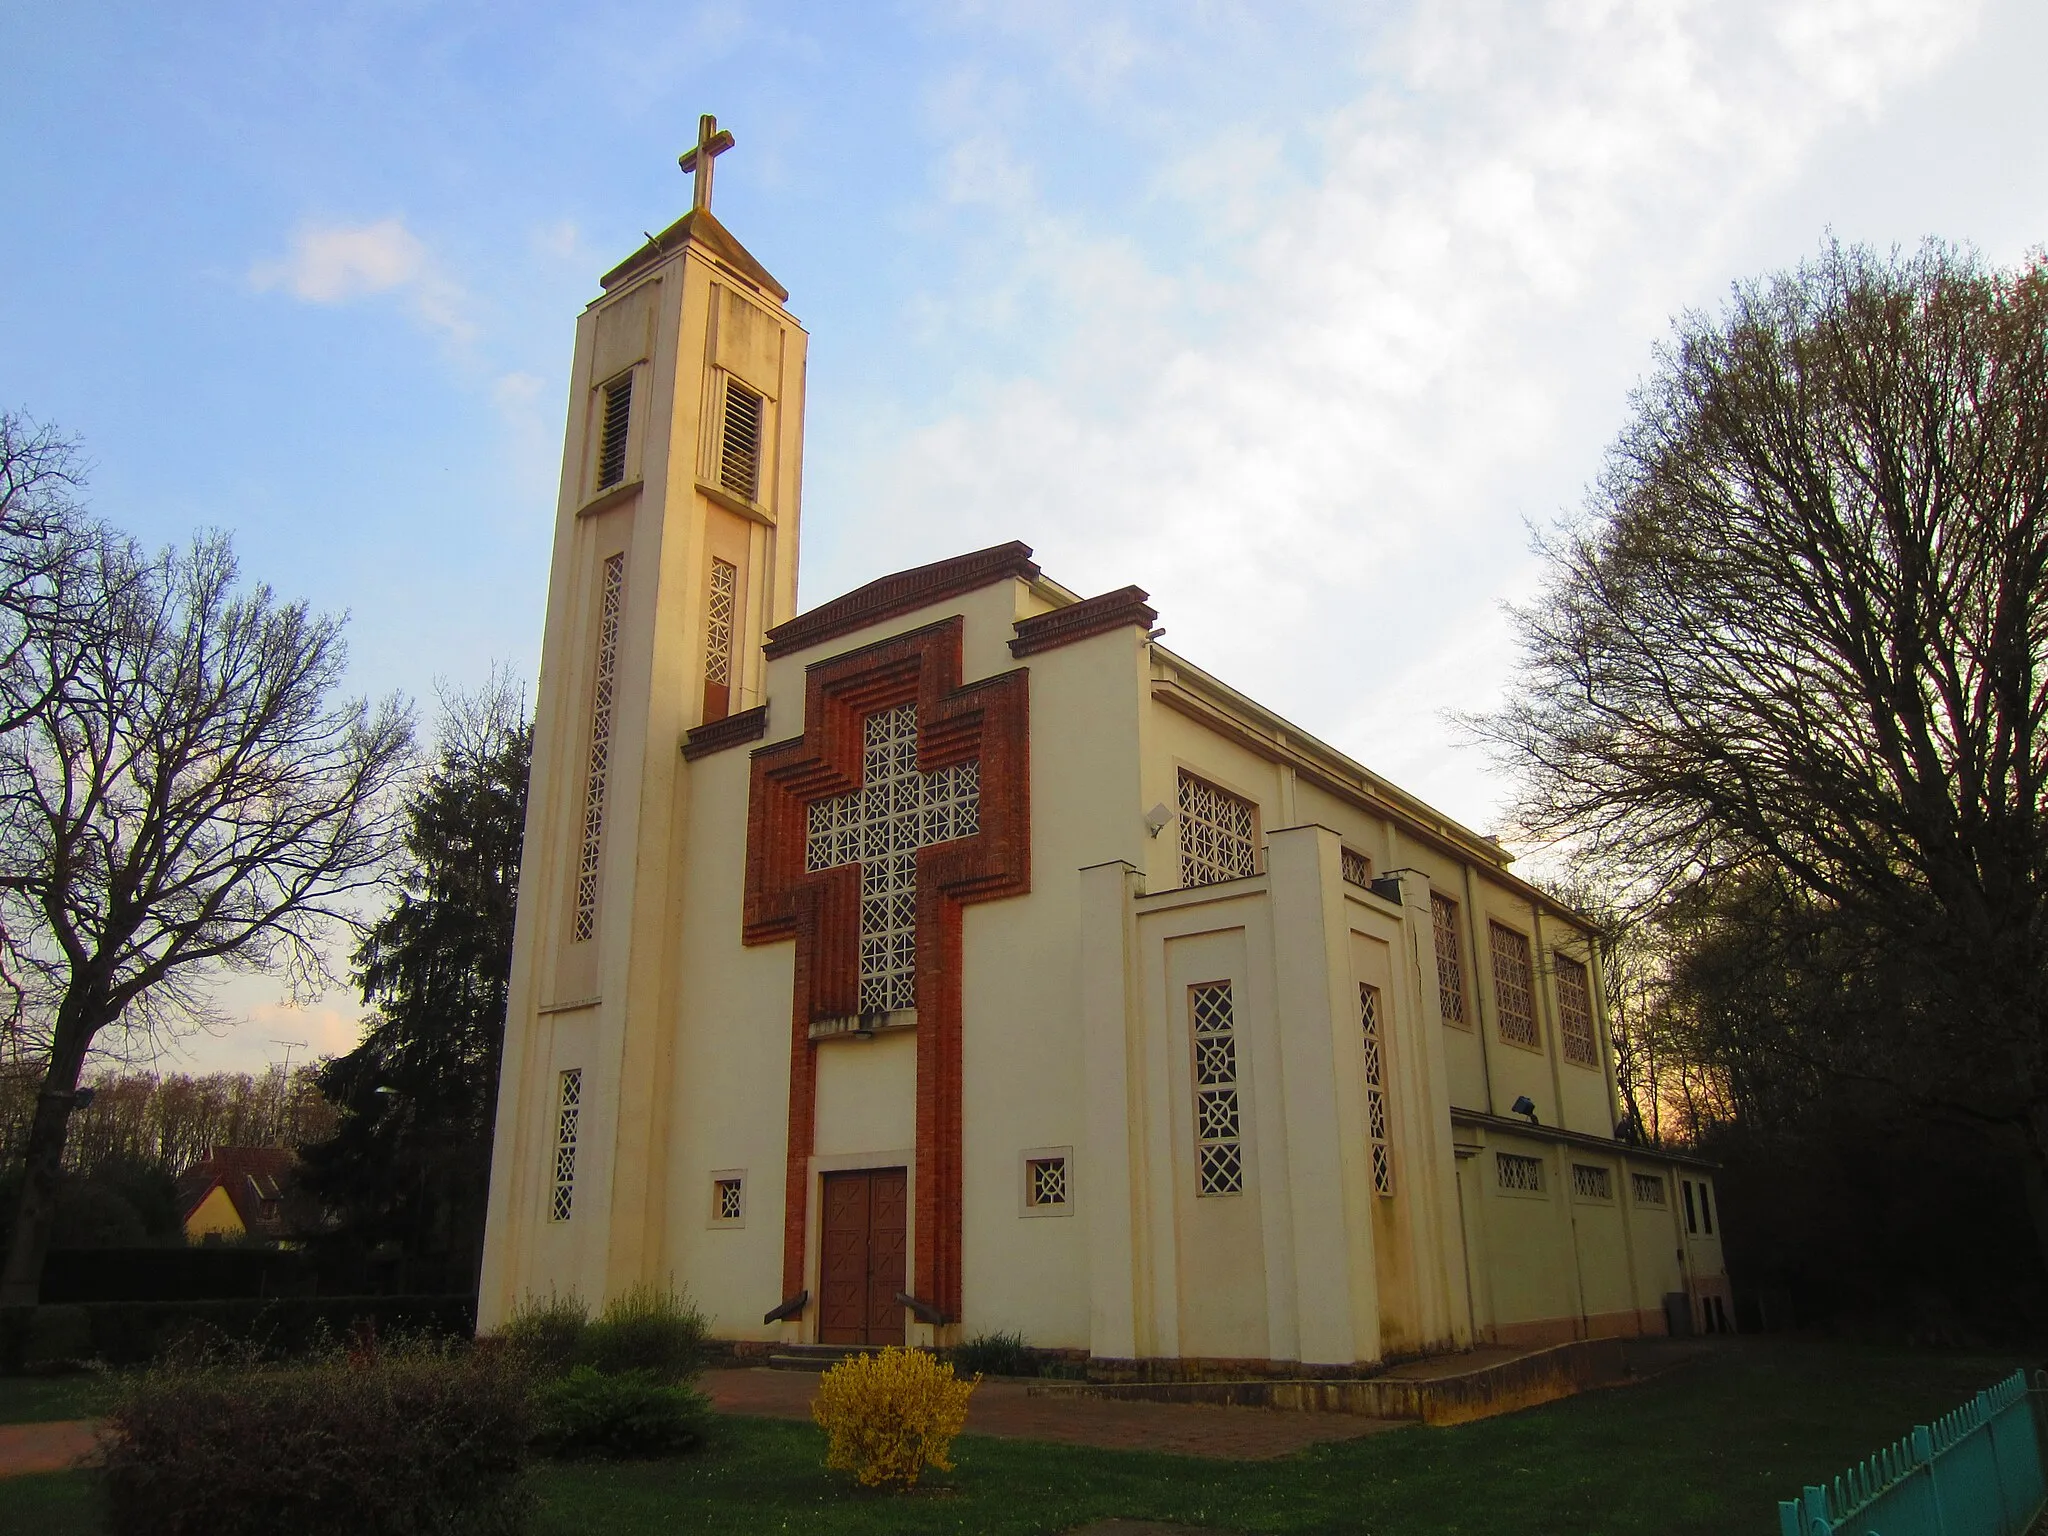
618 414
739 442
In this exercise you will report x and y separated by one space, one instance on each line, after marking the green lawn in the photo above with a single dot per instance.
39 1399
1706 1450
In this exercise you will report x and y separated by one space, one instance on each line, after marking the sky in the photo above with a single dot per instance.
1301 316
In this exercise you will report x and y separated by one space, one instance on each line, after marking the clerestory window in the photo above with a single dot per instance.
1218 833
1575 1013
1514 986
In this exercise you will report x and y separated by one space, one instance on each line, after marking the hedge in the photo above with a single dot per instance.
412 1443
136 1332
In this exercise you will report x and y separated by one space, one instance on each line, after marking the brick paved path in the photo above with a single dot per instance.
44 1447
1007 1408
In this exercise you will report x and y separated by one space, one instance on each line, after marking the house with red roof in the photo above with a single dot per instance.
235 1192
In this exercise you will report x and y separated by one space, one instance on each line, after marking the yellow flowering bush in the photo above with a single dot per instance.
887 1417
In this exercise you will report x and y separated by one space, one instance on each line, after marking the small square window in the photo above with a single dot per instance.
729 1198
1048 1183
1590 1181
1649 1188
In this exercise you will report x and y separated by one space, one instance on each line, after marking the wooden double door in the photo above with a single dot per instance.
864 1264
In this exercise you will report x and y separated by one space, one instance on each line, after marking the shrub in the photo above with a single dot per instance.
647 1328
887 1417
995 1354
399 1443
545 1334
635 1413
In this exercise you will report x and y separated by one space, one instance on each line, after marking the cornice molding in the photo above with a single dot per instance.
1083 620
891 596
732 731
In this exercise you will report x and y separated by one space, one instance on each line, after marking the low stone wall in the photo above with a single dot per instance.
1542 1376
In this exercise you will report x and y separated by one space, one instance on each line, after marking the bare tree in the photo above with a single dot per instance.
1795 655
193 794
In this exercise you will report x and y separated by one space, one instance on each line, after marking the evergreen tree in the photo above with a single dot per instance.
408 1169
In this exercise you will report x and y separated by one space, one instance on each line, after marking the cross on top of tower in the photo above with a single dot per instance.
712 141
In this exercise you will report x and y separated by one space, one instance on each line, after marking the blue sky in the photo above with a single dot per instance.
1297 315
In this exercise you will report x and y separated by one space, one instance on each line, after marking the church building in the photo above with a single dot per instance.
951 956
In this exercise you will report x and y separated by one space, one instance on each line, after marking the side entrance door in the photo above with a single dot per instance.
865 1257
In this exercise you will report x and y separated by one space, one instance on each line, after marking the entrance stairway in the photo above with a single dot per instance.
817 1357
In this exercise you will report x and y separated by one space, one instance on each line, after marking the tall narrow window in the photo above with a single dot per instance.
1514 986
600 744
1219 1155
739 441
618 419
718 618
1217 841
1375 1091
1692 1221
568 1110
1575 1013
1450 964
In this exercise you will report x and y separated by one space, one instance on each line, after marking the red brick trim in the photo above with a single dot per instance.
1079 621
890 597
717 735
989 719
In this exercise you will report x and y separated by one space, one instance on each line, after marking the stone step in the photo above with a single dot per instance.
817 1357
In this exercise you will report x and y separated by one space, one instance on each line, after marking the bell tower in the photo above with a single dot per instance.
675 552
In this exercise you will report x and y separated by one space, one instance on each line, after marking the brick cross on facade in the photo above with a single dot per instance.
881 826
907 798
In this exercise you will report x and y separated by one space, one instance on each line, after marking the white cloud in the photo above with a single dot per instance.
1318 445
562 241
259 1030
338 263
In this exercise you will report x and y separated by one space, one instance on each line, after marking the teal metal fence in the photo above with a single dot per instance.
1973 1472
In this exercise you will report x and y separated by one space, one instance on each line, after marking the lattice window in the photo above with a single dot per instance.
1217 834
1375 1090
618 418
1575 1013
1045 1181
1592 1182
718 616
1524 1175
1514 986
1357 868
728 1199
739 441
1450 962
880 826
1649 1188
609 600
568 1110
1219 1151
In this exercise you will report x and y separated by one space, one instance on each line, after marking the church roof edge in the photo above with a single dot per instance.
1190 688
701 227
901 592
